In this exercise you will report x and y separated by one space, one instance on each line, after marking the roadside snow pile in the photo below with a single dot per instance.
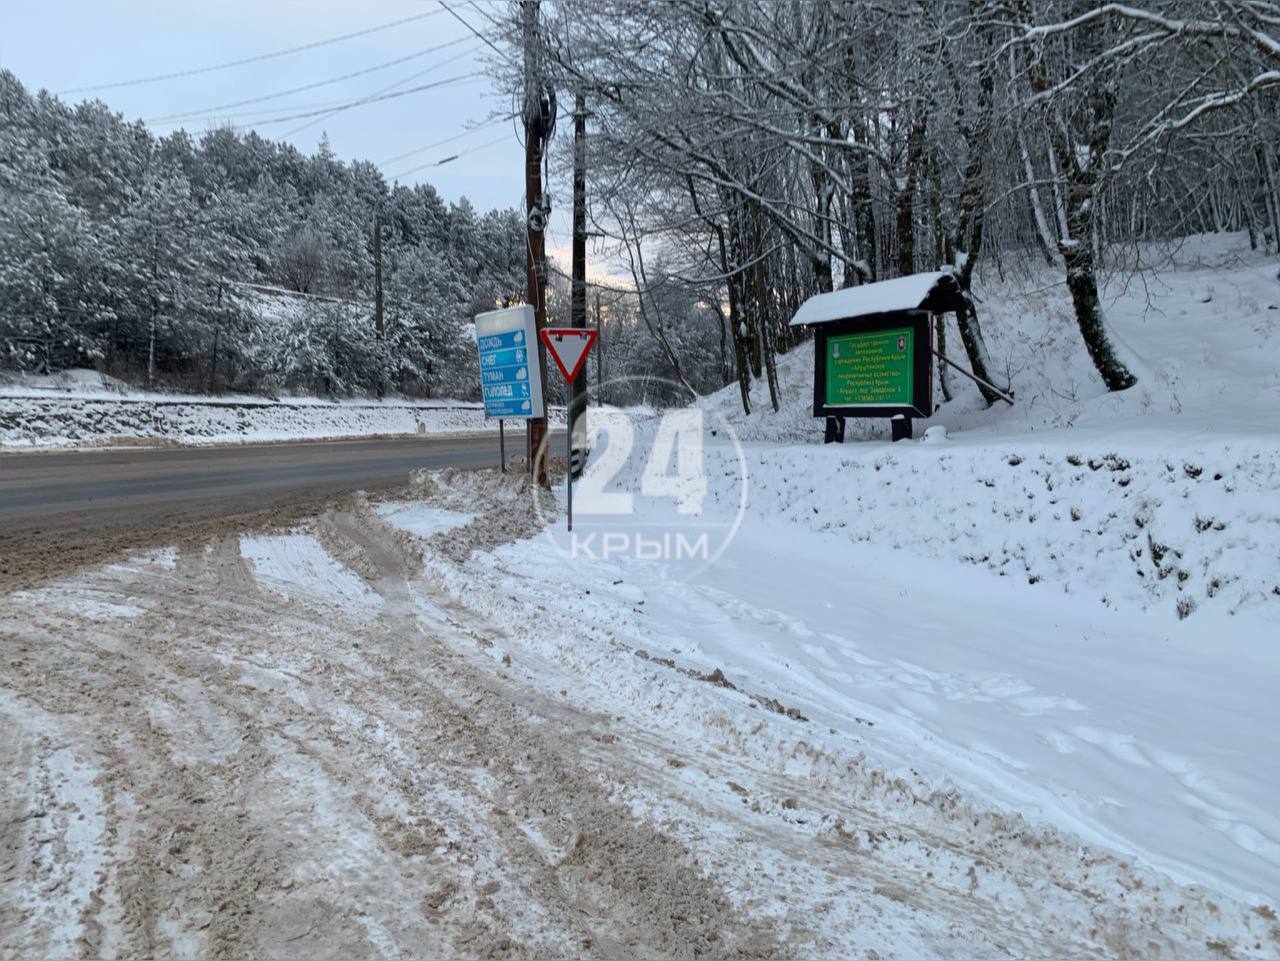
80 381
1177 531
27 421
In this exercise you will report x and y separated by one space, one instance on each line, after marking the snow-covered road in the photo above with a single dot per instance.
398 730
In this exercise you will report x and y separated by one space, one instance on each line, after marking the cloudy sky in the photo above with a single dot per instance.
67 45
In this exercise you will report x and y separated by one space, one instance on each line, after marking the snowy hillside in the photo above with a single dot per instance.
1202 331
1159 498
1067 609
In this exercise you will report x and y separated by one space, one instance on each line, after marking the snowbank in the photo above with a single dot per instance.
27 421
81 408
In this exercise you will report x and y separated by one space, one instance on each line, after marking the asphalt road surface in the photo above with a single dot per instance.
54 501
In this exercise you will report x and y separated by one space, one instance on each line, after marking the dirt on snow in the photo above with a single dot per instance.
198 765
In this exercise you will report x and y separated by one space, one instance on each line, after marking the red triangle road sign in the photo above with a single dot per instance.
569 346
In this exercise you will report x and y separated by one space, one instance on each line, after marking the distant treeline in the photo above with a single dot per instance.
131 253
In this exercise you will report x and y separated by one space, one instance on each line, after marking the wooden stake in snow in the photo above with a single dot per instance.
1007 398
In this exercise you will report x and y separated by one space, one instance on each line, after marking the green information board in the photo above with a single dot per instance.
872 369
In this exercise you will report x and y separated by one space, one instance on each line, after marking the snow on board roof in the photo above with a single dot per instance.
901 293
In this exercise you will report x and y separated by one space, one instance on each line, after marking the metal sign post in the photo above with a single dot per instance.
569 347
502 444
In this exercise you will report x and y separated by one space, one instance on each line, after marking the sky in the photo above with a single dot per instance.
61 45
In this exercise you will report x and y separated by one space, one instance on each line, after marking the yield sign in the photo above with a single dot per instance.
569 346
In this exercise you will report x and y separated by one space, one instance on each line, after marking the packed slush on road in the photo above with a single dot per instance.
835 513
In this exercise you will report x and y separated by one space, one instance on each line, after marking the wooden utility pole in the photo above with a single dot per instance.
599 355
539 120
578 300
378 320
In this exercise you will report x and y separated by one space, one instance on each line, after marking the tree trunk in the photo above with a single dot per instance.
1078 244
944 370
739 350
1059 206
864 217
155 309
1044 236
822 228
765 314
746 301
151 351
1270 194
736 329
737 332
725 373
1082 282
907 196
970 222
939 258
213 359
378 321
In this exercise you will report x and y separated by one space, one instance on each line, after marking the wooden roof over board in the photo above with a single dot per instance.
936 292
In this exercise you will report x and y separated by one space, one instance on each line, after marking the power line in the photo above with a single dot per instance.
452 157
384 93
361 102
484 13
514 114
255 59
457 17
439 143
311 86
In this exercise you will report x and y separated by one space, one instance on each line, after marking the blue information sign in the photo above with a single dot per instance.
509 379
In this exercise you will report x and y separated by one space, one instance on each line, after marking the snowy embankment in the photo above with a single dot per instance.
80 409
27 421
1068 609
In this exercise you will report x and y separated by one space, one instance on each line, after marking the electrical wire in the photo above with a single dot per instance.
439 143
254 59
311 86
358 103
458 17
256 116
453 157
484 13
472 3
384 93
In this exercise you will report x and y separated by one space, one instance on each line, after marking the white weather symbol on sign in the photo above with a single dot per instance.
519 336
835 351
